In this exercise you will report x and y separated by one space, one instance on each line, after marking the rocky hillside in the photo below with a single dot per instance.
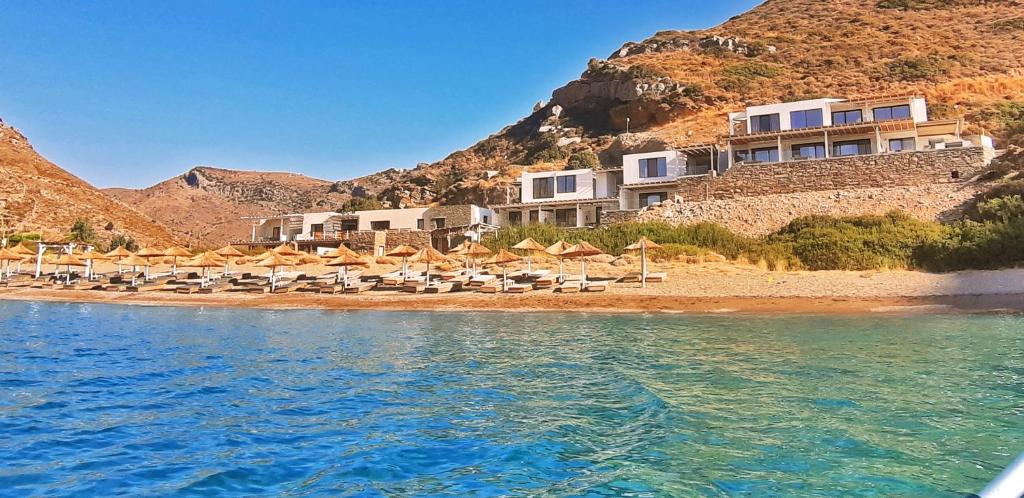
966 56
37 195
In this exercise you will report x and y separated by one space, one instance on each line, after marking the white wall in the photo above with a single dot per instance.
399 218
606 184
783 110
477 214
919 110
584 185
675 166
310 219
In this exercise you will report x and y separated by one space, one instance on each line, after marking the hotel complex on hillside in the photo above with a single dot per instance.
766 146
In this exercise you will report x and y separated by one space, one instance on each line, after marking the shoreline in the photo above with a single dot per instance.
549 303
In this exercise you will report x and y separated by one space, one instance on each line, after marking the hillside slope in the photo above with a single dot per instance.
37 195
965 56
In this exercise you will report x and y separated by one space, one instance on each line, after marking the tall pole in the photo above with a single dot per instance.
39 259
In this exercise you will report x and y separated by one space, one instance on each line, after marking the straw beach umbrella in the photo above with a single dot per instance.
69 260
501 259
557 249
273 261
176 252
22 249
286 250
119 252
582 250
206 260
339 252
530 246
227 252
7 255
343 262
91 257
475 250
429 255
643 245
135 262
403 251
148 253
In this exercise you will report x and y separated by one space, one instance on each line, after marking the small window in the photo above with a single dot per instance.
891 113
515 218
851 148
436 223
487 219
766 155
565 217
543 188
805 119
316 228
380 225
534 217
349 226
419 224
901 145
768 122
809 151
655 167
566 184
647 199
847 117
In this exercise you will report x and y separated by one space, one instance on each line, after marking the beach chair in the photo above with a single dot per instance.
596 286
494 287
450 275
186 289
520 288
360 287
439 287
657 277
569 287
481 280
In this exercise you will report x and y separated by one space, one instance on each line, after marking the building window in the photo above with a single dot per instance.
902 145
654 167
419 224
766 155
515 218
275 233
316 228
543 188
566 184
809 151
891 113
646 199
534 217
380 225
768 122
349 226
847 117
487 219
805 119
436 223
851 148
565 217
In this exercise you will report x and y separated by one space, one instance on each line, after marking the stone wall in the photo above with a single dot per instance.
855 172
454 216
612 217
418 239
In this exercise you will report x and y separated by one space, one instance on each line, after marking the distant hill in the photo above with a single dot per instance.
676 87
37 195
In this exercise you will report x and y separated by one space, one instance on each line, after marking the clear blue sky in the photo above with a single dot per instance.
130 93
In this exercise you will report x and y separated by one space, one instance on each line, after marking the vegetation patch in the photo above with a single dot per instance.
925 68
584 159
739 77
1012 24
360 204
926 4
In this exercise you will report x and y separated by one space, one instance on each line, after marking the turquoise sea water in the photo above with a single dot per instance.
103 400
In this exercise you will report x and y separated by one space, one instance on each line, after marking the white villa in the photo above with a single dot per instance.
576 198
826 128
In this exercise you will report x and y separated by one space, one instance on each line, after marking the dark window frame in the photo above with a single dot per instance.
804 115
645 198
660 167
863 147
376 225
818 146
562 217
436 223
419 224
757 123
902 141
515 218
773 155
562 184
544 187
891 114
845 120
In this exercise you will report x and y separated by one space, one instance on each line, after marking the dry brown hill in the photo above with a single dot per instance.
966 56
37 195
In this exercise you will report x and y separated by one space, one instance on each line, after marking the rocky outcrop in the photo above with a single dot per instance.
683 41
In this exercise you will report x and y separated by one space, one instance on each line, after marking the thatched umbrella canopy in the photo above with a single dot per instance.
8 255
501 259
643 245
274 260
403 251
176 252
227 252
307 259
148 253
118 252
557 249
339 252
134 262
21 248
286 250
69 260
582 250
91 257
530 246
205 260
475 250
429 255
343 262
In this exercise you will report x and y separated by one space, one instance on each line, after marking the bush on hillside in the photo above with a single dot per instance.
974 245
918 68
121 240
584 159
359 204
82 231
739 77
982 201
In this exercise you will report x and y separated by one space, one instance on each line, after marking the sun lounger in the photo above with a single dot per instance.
399 280
449 275
328 289
361 287
414 286
495 287
481 280
598 286
520 288
186 289
538 274
651 277
571 286
439 288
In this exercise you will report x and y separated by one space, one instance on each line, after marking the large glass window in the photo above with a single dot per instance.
565 217
380 225
809 151
436 223
534 217
543 188
805 119
515 218
648 198
654 167
847 117
316 228
902 145
851 148
766 155
768 122
566 184
892 112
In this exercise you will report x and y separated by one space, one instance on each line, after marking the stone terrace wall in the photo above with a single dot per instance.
855 172
454 216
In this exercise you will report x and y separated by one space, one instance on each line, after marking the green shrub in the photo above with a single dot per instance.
121 240
739 77
973 245
584 159
918 68
546 150
359 204
19 237
82 231
669 252
973 211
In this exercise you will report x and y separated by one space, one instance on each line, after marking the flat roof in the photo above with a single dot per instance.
863 127
600 200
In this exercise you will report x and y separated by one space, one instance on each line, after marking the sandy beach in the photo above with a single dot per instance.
691 288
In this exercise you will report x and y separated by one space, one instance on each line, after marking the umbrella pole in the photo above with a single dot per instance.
174 266
337 279
344 280
504 278
273 272
583 271
529 263
643 266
